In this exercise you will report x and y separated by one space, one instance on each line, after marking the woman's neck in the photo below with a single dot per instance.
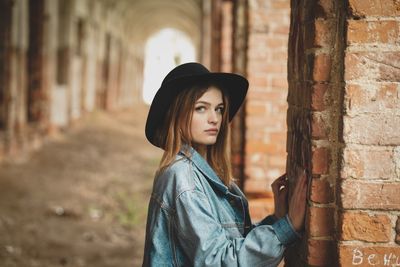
202 150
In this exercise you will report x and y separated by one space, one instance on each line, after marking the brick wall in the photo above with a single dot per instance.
314 115
266 107
343 125
368 229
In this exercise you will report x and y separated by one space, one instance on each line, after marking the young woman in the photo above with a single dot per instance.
197 215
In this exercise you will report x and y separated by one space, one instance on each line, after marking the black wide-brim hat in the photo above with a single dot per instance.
183 77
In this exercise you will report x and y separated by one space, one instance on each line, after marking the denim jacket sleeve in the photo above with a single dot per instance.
208 244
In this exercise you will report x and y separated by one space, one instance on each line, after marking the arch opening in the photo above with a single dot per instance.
164 50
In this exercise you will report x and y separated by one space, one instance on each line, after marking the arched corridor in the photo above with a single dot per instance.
324 95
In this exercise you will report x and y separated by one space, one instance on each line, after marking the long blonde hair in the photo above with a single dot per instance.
175 132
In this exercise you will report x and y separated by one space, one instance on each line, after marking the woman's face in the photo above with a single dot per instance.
207 117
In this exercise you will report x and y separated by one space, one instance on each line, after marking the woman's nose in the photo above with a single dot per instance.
213 117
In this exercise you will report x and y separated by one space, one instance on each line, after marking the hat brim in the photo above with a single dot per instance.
235 86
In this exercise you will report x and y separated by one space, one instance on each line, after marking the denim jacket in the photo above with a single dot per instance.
195 220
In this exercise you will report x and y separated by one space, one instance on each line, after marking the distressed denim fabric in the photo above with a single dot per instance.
195 220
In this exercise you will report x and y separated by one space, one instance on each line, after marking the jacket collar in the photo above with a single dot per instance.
204 167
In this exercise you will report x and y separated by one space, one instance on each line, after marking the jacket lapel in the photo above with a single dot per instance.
206 170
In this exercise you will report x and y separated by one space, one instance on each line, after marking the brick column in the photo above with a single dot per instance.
315 74
266 107
5 58
343 125
370 185
37 92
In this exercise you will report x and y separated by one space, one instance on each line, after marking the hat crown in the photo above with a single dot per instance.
185 70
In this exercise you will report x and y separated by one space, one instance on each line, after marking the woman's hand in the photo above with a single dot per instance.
280 190
297 205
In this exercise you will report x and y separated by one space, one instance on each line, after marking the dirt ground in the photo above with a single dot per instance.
81 200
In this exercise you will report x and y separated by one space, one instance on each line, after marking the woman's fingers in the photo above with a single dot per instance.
297 205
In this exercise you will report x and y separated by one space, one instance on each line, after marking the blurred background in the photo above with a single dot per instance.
77 78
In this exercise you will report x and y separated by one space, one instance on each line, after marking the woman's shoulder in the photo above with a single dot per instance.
177 177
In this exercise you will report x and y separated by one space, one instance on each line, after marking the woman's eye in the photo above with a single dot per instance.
220 110
200 109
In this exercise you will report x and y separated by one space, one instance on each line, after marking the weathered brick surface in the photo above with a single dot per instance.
318 98
366 8
373 255
313 119
364 32
321 221
378 128
344 62
369 163
370 195
322 192
319 127
364 226
321 253
319 67
372 97
366 66
320 160
266 100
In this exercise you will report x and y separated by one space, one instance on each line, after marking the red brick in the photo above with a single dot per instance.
372 129
320 160
364 226
321 68
319 9
321 191
363 8
325 7
279 56
319 128
274 42
372 98
318 96
363 256
281 30
360 31
280 5
258 80
321 252
255 109
321 221
320 33
382 66
368 163
366 195
279 83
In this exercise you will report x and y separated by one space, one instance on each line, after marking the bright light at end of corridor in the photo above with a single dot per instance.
164 50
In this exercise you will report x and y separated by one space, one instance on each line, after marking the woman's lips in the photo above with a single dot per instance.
213 131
